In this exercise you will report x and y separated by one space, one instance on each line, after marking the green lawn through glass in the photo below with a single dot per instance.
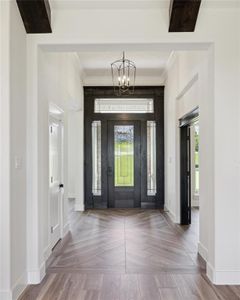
124 156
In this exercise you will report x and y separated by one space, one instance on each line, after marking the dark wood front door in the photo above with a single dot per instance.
124 164
99 153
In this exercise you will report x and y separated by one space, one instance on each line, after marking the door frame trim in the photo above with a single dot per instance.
90 93
185 165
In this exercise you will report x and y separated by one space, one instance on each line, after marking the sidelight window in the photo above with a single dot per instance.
151 158
96 158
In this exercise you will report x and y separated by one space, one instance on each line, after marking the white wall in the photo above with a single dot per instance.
76 159
83 30
170 135
185 89
18 150
5 274
239 114
89 29
24 246
63 87
216 96
13 107
58 84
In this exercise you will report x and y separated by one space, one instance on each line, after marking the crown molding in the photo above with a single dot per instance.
171 60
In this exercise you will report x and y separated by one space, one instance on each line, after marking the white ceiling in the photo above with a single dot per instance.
102 60
109 4
133 4
149 63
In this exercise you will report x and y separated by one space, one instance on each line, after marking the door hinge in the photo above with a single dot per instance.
51 229
51 129
51 179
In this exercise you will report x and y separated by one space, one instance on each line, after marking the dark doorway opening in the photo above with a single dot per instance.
185 166
124 150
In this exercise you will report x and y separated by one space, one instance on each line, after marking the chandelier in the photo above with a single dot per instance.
123 76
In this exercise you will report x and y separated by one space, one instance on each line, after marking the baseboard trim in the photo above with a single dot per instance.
36 276
19 286
170 214
17 289
203 251
223 277
47 252
79 207
210 272
65 229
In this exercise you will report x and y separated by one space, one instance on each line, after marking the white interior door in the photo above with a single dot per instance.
55 162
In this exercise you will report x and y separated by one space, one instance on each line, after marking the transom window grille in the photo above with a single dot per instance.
126 105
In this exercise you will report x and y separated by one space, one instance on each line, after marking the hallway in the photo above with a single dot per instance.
127 254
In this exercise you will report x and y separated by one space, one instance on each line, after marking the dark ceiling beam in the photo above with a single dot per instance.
183 15
36 15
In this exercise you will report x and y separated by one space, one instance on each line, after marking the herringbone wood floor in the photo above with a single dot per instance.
128 254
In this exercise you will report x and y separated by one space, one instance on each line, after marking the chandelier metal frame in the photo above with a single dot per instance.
123 76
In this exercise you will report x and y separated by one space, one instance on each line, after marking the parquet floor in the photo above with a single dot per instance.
128 254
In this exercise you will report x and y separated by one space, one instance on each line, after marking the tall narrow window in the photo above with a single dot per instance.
124 155
151 158
96 158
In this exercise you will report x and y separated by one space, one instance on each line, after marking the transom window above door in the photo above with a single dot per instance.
124 105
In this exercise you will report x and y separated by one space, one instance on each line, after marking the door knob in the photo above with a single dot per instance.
61 185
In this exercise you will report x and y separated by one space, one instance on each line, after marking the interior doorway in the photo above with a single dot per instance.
189 166
124 148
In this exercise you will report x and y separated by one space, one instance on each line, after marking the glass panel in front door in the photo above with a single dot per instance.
124 155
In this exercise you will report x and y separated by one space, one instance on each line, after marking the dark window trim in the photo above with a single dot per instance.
189 118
